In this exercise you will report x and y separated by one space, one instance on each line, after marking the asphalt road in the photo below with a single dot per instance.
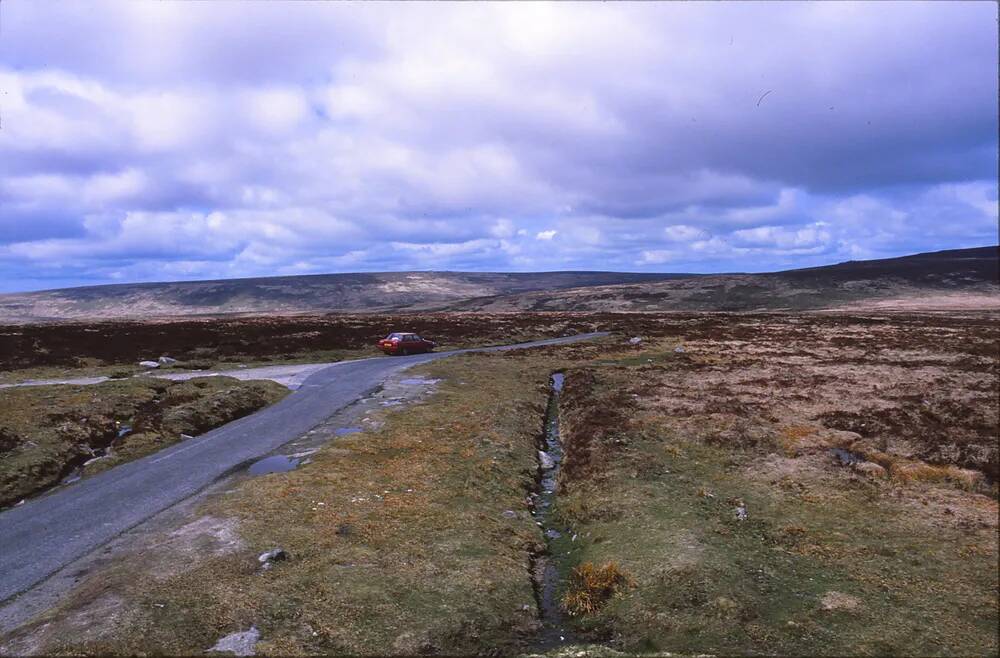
44 534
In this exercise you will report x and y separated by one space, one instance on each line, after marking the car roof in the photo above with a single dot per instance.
402 333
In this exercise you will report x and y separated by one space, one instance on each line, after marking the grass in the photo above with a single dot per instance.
590 587
704 511
46 432
398 538
663 505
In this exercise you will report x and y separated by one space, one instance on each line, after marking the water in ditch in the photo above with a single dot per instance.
555 630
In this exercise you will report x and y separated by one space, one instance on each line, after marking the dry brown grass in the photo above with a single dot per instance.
591 587
909 472
792 435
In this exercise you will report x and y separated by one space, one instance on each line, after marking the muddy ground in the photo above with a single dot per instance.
732 484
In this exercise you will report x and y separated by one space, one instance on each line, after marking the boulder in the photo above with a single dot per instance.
149 364
167 361
545 460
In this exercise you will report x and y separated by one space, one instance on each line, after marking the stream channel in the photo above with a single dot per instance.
555 631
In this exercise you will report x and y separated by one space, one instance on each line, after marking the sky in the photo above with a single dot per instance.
177 141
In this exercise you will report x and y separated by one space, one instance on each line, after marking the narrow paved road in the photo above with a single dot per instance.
44 534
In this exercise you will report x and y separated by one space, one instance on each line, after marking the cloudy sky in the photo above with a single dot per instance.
165 141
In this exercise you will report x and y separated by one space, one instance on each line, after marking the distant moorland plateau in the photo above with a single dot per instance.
943 280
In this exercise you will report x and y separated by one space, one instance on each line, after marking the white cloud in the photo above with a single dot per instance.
777 237
308 137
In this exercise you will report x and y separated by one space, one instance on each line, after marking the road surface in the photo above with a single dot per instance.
44 534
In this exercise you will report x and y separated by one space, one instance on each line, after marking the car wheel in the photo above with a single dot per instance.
406 351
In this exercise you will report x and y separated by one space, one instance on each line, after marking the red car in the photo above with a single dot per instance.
405 343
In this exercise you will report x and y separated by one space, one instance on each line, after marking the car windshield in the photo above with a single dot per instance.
399 337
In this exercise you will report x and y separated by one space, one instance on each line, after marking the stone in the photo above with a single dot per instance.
680 349
509 514
274 555
149 364
167 361
634 341
545 460
238 644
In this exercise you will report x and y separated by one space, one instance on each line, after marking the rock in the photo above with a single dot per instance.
741 512
634 341
270 557
149 364
238 644
509 514
871 469
545 460
680 349
167 361
839 601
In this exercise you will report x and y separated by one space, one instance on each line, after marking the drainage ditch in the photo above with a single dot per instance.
555 630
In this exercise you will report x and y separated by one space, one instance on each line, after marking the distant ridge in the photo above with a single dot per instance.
962 277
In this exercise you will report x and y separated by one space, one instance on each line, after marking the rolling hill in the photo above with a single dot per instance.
958 278
952 279
316 293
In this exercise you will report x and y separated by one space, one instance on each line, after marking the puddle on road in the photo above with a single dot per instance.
555 631
353 419
273 464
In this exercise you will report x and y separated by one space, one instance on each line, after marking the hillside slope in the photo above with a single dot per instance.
316 293
958 278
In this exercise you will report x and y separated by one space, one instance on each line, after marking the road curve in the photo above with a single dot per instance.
44 534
